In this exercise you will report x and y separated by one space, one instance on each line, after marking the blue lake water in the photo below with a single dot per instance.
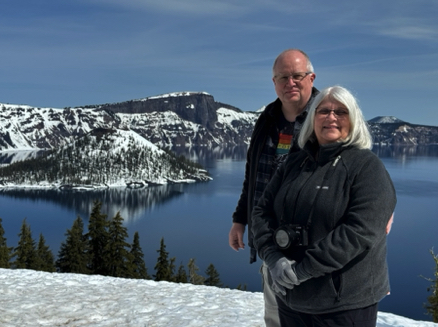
194 220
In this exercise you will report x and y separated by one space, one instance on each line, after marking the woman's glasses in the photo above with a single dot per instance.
325 112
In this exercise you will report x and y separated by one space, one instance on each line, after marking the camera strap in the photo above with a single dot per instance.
326 177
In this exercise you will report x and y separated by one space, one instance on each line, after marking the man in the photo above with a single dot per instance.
275 134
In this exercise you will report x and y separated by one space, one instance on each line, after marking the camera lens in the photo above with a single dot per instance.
282 238
286 236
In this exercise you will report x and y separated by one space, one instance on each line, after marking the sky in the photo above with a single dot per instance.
85 52
34 298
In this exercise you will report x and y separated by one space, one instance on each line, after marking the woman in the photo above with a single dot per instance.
321 223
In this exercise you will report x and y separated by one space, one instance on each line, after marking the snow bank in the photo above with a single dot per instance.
32 298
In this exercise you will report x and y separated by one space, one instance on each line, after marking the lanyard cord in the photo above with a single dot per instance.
326 177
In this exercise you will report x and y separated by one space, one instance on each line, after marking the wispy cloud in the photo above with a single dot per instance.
191 7
409 30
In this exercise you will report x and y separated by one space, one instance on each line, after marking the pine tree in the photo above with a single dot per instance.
119 257
194 278
432 307
172 269
5 251
139 269
162 267
25 252
73 256
181 275
212 277
97 240
46 261
241 288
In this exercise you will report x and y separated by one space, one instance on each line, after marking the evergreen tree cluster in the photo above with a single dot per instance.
97 159
166 271
28 254
102 250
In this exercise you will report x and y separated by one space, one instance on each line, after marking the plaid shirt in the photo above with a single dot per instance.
269 161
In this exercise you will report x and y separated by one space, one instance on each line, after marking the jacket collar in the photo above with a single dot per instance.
323 153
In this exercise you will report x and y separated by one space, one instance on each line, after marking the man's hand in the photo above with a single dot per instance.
235 237
388 227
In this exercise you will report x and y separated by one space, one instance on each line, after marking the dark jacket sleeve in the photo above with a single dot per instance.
240 214
263 217
372 202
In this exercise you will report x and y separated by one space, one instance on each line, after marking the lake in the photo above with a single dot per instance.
194 220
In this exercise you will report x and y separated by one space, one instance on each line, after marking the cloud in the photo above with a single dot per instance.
226 8
192 7
418 29
411 32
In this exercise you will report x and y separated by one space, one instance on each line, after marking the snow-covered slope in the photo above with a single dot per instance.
32 299
26 128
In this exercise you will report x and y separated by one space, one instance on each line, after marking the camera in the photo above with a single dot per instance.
291 235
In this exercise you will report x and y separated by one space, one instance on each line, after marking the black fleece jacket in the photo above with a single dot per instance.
348 197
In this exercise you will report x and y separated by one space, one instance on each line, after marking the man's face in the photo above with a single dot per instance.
290 91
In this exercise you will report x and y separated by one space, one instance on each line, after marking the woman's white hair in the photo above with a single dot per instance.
359 134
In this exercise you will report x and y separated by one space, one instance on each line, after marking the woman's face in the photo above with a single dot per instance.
332 122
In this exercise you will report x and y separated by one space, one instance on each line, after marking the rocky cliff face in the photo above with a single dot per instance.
199 108
172 120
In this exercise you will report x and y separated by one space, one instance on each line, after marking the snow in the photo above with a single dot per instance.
173 94
33 298
17 120
227 116
385 120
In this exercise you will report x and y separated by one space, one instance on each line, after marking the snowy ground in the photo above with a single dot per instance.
31 298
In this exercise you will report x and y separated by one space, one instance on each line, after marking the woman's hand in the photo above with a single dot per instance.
283 276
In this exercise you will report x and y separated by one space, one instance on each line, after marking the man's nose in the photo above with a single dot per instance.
290 81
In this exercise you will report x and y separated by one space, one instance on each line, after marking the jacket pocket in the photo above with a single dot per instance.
314 294
337 283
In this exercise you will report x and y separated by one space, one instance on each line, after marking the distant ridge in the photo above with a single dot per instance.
386 120
177 121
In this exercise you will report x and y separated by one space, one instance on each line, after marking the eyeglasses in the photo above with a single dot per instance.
339 113
296 77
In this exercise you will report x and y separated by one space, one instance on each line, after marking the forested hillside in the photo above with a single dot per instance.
100 159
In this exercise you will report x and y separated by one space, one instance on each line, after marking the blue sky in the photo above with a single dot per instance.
74 53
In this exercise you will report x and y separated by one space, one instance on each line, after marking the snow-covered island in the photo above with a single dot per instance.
101 159
32 298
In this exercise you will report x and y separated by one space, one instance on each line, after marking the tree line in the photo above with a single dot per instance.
102 250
